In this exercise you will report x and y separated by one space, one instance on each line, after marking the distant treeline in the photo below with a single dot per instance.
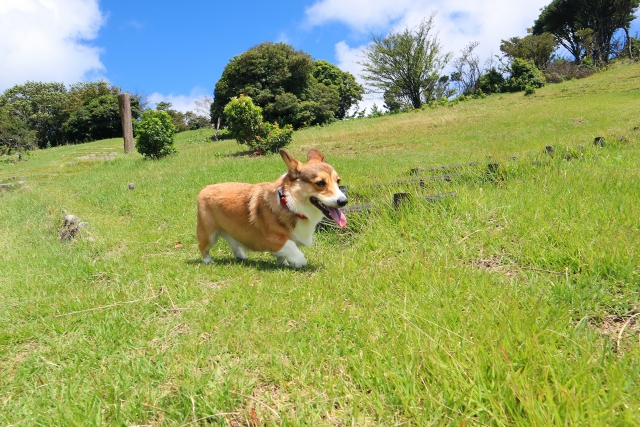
41 115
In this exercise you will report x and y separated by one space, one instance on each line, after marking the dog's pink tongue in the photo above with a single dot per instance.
338 216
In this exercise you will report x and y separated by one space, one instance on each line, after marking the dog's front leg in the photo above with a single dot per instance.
291 254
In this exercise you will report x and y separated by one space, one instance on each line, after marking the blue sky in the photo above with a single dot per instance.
176 51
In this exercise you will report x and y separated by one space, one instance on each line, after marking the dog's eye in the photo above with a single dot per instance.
321 183
338 181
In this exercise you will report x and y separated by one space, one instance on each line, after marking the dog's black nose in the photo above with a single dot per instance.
343 201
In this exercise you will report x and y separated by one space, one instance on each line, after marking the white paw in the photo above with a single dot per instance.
207 260
239 254
290 254
297 261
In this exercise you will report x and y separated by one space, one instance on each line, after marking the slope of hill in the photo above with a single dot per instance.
513 303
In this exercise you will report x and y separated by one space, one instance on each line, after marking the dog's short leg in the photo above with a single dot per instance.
236 247
281 261
291 254
206 258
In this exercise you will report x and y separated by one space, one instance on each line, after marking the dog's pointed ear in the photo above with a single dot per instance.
293 165
315 154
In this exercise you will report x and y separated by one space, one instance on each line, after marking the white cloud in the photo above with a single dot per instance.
181 103
46 40
361 15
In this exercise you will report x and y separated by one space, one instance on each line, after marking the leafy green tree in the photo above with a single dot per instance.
154 134
38 107
408 63
349 91
80 93
566 18
535 48
94 112
177 117
15 135
274 75
393 100
97 118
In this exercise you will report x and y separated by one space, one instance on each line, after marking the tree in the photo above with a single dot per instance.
349 91
407 63
177 117
94 112
467 70
203 109
568 20
15 135
97 118
39 107
536 48
279 79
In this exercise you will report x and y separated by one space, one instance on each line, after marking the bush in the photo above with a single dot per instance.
491 82
523 74
272 138
154 134
529 90
246 126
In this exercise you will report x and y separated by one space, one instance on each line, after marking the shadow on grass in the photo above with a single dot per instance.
260 265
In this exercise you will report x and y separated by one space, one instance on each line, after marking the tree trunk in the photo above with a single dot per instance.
626 32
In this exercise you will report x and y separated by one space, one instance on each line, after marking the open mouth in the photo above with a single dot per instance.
331 213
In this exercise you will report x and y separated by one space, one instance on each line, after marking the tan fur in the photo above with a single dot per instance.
252 215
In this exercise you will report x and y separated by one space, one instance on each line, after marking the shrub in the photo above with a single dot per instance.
246 126
244 119
272 138
491 82
523 74
154 134
529 90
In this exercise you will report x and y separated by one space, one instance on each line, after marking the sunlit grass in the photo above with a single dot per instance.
503 305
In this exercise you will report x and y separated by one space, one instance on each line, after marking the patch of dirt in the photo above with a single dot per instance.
20 354
97 157
263 406
623 331
495 264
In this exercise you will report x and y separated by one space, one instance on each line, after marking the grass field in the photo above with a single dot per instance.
513 303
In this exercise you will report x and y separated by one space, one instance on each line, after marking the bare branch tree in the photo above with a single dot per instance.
407 63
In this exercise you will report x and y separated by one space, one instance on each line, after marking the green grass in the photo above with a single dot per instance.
505 305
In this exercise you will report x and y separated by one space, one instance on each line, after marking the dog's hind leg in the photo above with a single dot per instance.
207 237
204 249
236 247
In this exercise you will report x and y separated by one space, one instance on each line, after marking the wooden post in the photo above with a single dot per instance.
124 102
215 136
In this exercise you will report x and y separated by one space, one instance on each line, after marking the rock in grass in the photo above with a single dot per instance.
71 226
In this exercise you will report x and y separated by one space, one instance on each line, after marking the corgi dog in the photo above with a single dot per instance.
274 217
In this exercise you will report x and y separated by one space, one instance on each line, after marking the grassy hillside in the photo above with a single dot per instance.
511 303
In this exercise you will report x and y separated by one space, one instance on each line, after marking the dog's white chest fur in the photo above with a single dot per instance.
302 233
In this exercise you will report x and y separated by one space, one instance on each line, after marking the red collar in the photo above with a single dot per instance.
283 201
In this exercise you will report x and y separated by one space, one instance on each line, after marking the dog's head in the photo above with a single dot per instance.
315 185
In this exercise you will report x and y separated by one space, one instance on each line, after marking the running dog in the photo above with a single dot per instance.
274 217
